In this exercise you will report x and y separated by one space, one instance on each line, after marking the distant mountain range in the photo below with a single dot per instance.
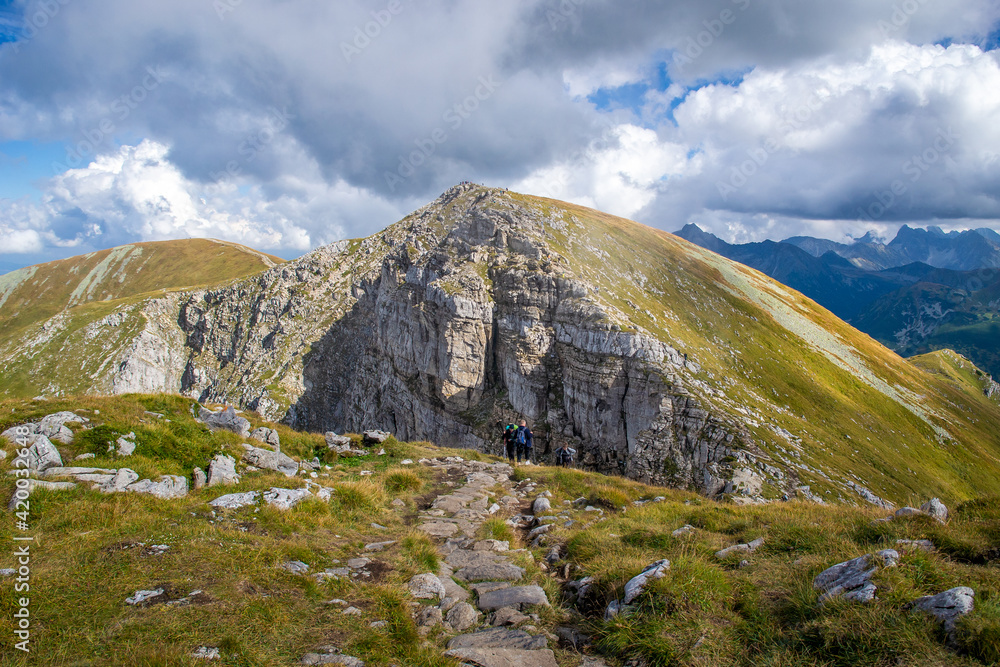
925 290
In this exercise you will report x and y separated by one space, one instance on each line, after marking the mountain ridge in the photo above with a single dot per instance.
654 358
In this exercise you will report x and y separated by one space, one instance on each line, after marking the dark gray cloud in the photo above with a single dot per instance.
286 124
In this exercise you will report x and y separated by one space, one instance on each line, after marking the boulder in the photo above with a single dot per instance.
268 436
747 548
54 426
430 617
518 597
269 460
146 598
222 471
637 584
426 586
337 442
462 616
541 505
225 420
167 488
491 572
121 480
123 446
936 509
504 657
285 499
947 607
235 500
508 616
42 454
199 478
683 530
500 638
850 580
907 511
296 567
376 437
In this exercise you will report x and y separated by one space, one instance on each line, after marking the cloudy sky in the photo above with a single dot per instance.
288 124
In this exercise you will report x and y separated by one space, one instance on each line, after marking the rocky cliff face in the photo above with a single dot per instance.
460 316
652 357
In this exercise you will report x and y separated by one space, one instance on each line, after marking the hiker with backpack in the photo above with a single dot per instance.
564 456
510 442
525 441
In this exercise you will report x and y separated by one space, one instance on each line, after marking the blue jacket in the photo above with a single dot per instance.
529 439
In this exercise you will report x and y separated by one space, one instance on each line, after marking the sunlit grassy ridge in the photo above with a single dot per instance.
86 559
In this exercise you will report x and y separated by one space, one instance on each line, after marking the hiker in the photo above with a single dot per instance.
564 456
525 441
510 441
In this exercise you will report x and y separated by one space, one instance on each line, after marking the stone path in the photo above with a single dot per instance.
500 598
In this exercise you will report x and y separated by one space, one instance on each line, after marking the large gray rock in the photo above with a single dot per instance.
426 586
268 436
121 480
500 638
268 460
376 437
504 657
518 597
850 580
337 442
123 446
462 616
222 471
199 478
947 607
167 488
637 584
41 454
936 509
234 501
499 571
541 505
225 420
285 499
747 548
54 426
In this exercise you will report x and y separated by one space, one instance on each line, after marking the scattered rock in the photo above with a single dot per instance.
225 420
850 580
462 616
41 454
907 511
84 457
268 436
683 530
336 442
236 500
439 529
502 657
518 597
331 659
351 611
426 586
296 567
376 437
948 606
269 460
199 478
936 509
379 546
491 572
121 480
206 653
146 598
922 545
285 499
169 487
222 471
491 545
637 584
508 616
889 557
500 638
541 505
430 617
123 446
7 572
749 548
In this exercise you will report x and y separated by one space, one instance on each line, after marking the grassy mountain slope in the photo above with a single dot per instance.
821 404
38 292
92 551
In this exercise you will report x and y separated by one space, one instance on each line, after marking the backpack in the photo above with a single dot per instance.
522 438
